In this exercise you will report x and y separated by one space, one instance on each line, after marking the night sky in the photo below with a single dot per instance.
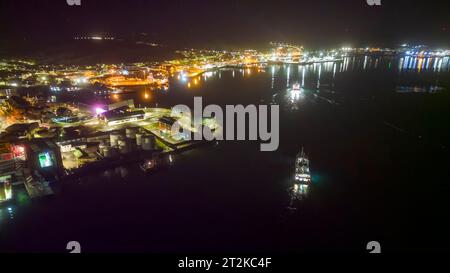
210 23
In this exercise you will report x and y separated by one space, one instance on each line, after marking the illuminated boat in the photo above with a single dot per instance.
302 174
149 165
299 192
296 92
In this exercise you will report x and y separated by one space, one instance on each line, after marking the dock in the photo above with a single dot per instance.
36 188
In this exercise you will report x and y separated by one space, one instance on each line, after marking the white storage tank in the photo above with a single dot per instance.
139 139
101 146
130 133
114 139
148 142
107 152
123 147
121 143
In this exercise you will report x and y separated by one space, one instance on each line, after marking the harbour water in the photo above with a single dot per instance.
376 130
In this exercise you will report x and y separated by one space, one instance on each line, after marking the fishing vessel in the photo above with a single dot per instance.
302 174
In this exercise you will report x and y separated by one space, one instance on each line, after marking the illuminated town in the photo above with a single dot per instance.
44 140
204 132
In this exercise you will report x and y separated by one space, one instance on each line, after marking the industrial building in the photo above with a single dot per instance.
7 171
19 130
12 160
19 103
44 156
165 124
122 114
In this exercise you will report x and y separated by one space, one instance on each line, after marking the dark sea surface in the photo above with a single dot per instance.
376 130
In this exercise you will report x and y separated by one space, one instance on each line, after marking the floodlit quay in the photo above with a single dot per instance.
43 140
67 140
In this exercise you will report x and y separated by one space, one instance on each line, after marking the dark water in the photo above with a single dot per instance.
377 134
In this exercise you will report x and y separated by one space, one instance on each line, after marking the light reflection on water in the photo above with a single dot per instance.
321 77
324 78
424 64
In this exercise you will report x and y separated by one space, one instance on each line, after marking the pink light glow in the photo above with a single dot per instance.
99 110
